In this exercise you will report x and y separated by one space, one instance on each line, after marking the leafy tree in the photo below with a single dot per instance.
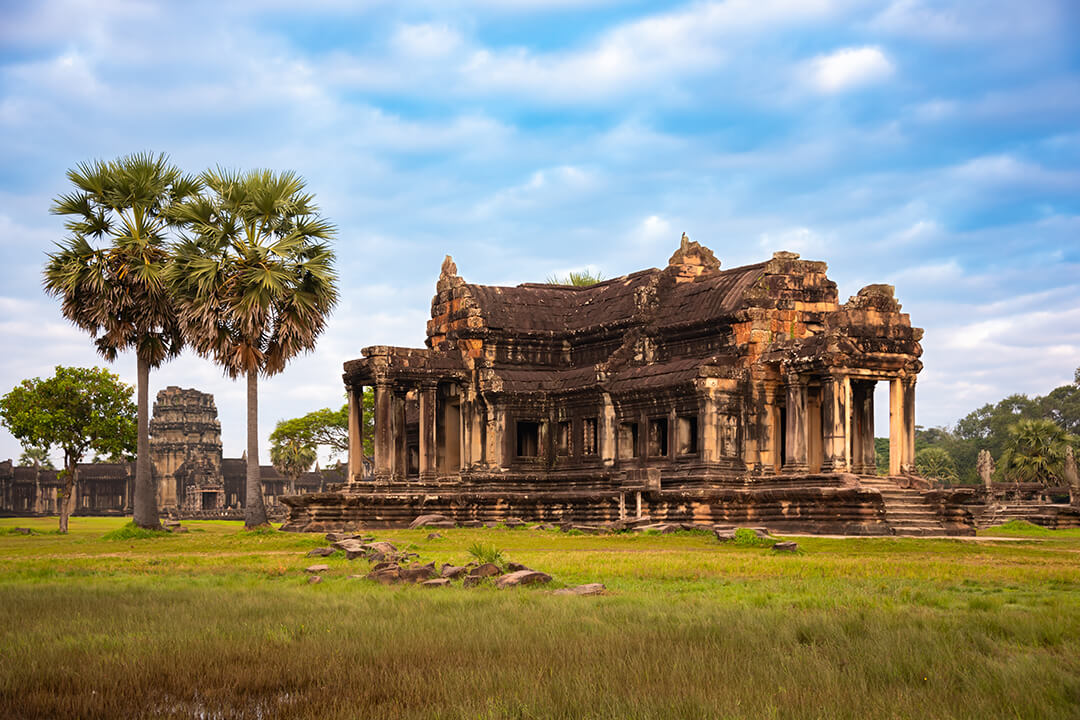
934 463
582 278
292 459
1035 451
109 275
38 456
77 410
329 428
255 285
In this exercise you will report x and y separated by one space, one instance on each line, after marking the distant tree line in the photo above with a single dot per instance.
1026 437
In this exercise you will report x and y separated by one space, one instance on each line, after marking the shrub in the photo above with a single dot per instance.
745 537
486 553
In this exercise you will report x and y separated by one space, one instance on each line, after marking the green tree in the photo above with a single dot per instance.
330 428
582 278
37 456
934 463
292 459
76 410
1035 452
109 275
255 285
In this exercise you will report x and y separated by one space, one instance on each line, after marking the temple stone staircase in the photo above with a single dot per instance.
907 510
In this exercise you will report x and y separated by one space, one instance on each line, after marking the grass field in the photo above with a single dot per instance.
218 623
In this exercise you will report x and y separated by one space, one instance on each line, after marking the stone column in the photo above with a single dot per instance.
901 425
427 431
607 431
356 424
795 430
401 454
835 424
383 430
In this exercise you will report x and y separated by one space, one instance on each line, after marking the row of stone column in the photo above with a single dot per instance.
391 455
847 425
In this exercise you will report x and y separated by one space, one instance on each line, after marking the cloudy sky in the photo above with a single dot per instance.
931 145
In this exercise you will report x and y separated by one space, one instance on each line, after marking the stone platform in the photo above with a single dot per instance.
822 503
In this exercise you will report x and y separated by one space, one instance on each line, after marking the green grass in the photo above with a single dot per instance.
222 623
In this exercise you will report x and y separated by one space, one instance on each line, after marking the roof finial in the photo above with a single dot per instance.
692 259
684 244
449 269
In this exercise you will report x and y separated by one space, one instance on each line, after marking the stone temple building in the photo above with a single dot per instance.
691 392
193 478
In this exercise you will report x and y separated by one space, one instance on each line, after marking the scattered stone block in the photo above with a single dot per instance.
314 580
417 573
788 546
514 567
317 568
472 580
514 522
453 571
434 536
386 576
433 520
521 577
761 532
23 531
321 552
586 589
638 522
472 524
485 570
727 535
436 582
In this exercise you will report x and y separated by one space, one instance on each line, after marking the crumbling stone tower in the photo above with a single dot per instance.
185 445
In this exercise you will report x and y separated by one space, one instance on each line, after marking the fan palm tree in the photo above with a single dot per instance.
292 459
255 284
1035 451
109 275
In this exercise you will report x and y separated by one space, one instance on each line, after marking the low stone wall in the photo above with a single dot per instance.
808 503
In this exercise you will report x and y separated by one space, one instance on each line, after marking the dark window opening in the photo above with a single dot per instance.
688 435
412 462
562 438
528 438
628 440
658 437
588 443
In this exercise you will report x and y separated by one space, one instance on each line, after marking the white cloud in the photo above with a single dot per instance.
426 40
849 69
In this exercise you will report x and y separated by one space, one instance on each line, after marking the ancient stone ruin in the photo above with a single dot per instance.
193 479
689 393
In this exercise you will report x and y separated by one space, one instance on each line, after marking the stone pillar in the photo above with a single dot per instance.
868 454
607 431
835 424
709 429
901 425
795 430
383 430
427 431
356 423
401 454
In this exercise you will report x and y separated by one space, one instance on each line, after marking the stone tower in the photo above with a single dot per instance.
185 446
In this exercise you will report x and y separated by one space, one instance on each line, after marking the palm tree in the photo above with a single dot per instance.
292 459
116 292
255 284
1035 451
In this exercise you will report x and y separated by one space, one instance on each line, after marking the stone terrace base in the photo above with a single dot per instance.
824 504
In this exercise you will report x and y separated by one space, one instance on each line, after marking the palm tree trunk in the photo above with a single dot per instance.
254 510
146 509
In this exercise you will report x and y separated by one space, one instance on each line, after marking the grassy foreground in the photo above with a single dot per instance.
218 623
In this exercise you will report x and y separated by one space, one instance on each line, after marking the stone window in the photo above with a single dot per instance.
562 438
628 440
528 438
658 437
687 435
588 442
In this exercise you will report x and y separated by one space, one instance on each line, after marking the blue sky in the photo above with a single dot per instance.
931 145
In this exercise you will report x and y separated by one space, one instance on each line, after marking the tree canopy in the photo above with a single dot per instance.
76 410
329 428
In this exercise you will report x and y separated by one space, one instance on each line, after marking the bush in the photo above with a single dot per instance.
486 553
745 537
